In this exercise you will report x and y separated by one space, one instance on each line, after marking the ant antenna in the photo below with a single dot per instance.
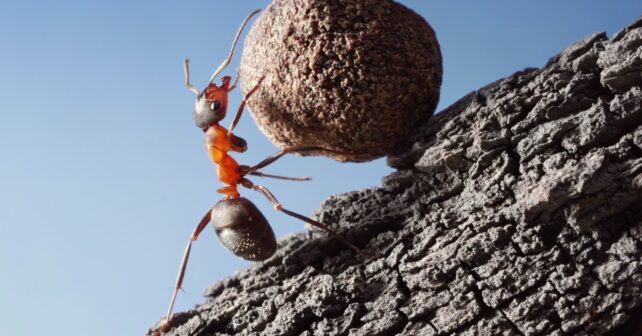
236 39
187 83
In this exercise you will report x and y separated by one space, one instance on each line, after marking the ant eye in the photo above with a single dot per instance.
215 105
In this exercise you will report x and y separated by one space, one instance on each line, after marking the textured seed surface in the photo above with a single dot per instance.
354 77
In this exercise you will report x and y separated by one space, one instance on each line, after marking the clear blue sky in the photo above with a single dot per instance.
102 173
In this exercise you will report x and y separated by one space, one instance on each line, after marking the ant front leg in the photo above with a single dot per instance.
236 81
181 270
278 207
239 112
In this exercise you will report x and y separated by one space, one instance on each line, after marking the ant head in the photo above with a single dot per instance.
211 104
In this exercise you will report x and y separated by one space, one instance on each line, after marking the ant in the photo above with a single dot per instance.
238 223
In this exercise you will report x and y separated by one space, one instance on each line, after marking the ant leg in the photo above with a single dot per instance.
270 159
278 207
288 178
236 81
181 270
239 112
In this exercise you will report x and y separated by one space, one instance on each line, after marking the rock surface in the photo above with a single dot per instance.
350 76
516 211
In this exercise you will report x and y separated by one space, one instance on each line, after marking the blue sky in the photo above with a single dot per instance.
102 173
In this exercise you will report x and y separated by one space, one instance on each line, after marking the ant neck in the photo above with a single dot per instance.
213 125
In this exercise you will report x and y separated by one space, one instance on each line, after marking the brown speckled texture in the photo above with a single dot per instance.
350 76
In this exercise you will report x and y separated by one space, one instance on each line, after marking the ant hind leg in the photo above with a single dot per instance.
278 207
181 270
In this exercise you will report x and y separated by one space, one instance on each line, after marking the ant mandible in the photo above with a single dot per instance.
238 223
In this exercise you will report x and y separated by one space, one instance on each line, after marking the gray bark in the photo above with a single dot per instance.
515 211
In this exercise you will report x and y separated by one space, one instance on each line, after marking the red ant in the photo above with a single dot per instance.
239 224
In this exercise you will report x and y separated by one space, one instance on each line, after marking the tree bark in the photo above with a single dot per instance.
515 211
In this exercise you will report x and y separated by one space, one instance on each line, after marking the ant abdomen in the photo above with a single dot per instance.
242 229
